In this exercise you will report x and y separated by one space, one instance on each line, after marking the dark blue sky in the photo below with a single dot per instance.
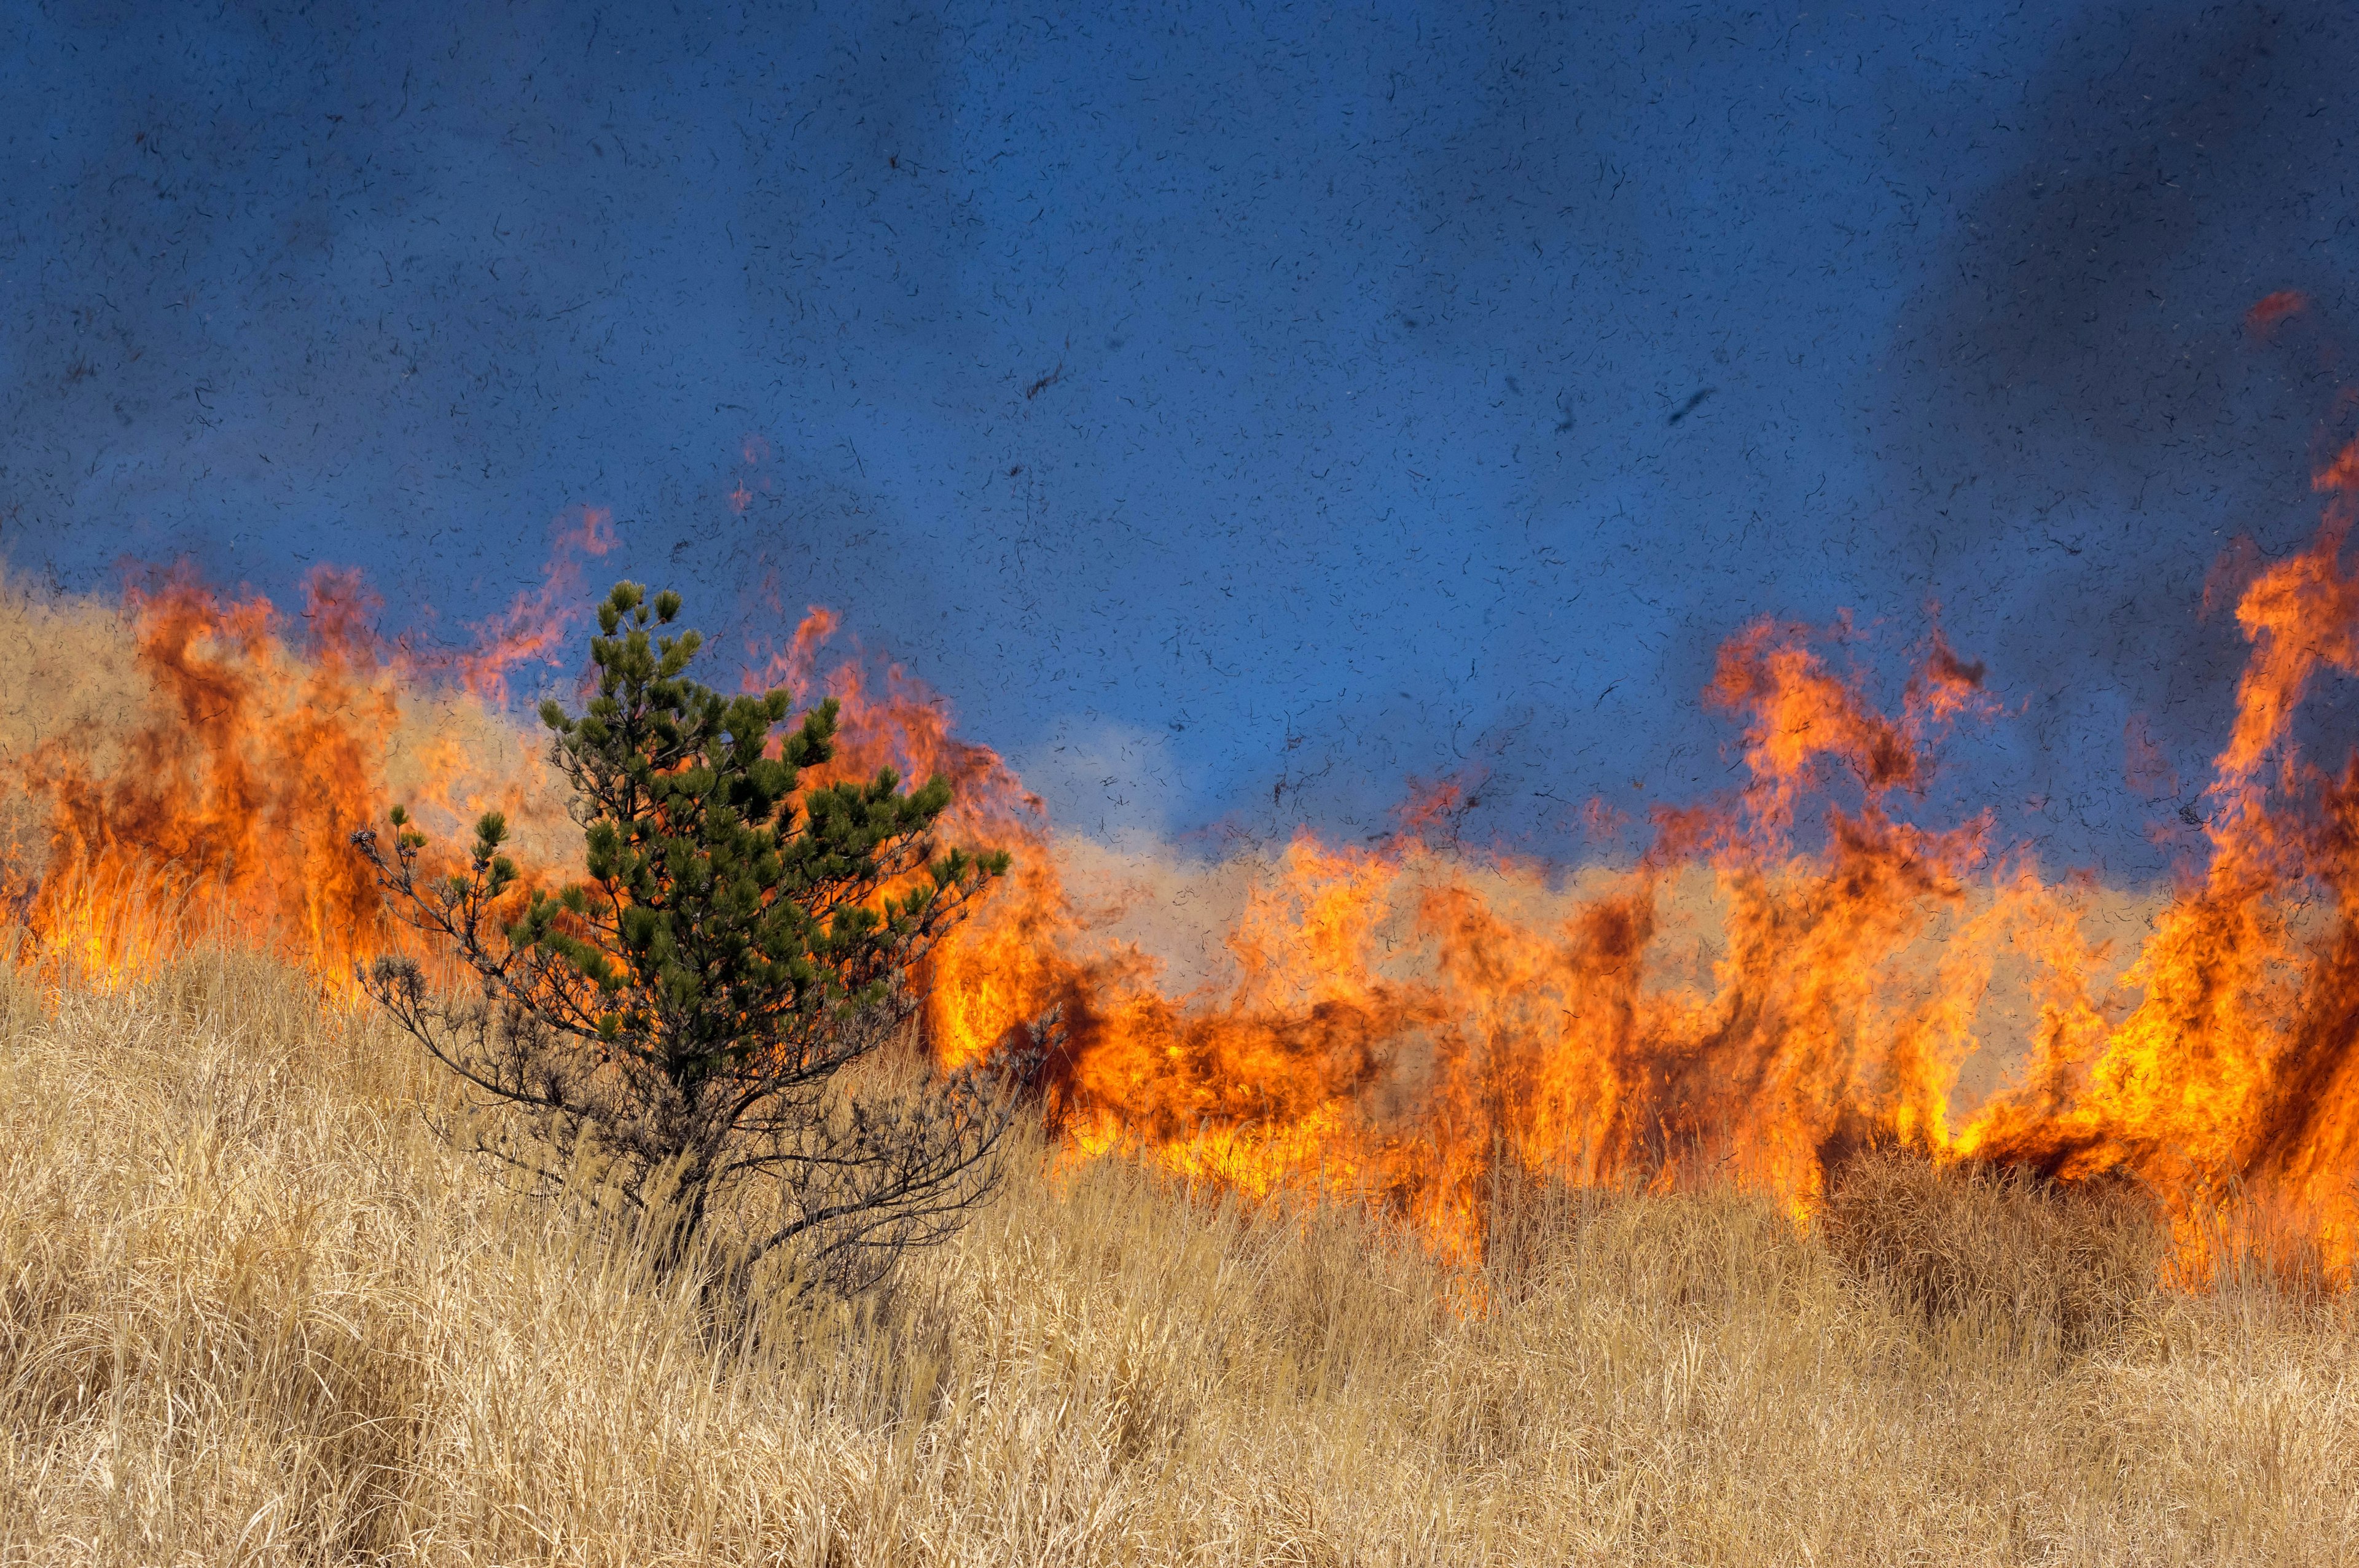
1367 345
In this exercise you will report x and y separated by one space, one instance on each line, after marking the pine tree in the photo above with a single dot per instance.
675 1026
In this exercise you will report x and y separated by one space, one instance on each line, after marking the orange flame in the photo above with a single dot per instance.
199 824
1786 974
1403 1021
2272 309
537 626
226 808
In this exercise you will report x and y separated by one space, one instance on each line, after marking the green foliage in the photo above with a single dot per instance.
737 941
712 932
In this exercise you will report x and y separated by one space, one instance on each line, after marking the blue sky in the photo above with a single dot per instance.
1233 410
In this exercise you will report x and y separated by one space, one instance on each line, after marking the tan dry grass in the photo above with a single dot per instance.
2054 1271
251 1312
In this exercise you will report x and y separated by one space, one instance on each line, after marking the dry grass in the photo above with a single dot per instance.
250 1311
2051 1271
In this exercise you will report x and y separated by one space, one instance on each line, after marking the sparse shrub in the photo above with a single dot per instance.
2052 1268
676 1027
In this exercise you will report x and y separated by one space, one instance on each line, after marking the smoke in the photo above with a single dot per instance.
2080 407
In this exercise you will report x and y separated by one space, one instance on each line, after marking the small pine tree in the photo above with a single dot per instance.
676 1025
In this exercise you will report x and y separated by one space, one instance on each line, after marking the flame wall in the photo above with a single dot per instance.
1787 972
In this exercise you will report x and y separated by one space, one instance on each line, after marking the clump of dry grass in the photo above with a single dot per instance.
2053 1269
252 1311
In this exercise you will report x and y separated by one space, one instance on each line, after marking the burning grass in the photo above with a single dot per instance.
251 1311
1433 1206
1790 969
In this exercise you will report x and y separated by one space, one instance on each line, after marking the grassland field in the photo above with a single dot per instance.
253 1311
